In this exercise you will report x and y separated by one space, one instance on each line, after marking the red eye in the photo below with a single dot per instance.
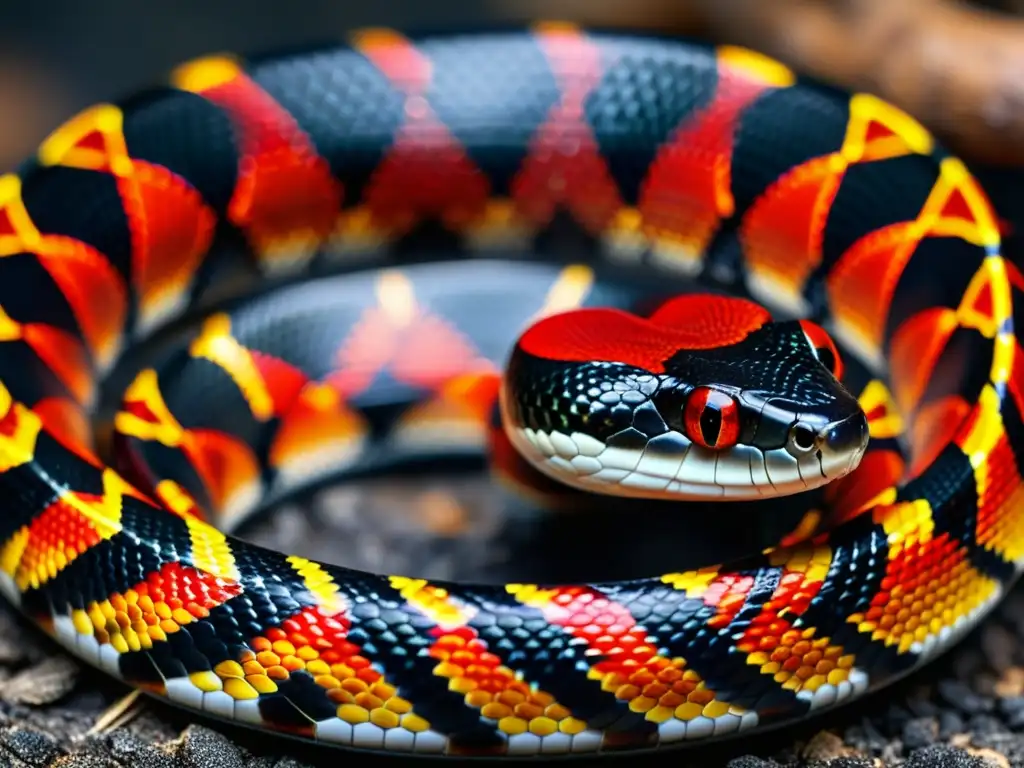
825 348
712 419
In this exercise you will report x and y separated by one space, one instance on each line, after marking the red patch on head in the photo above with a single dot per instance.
697 321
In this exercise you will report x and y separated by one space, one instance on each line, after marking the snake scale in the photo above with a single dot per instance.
830 237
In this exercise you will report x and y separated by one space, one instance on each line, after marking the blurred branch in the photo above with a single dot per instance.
31 102
957 68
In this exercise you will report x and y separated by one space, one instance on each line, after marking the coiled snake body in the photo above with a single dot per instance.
671 159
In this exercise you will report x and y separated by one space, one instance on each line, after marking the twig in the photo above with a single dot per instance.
118 714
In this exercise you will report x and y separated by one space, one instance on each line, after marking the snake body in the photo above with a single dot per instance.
669 158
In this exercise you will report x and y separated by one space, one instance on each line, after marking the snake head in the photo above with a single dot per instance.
708 398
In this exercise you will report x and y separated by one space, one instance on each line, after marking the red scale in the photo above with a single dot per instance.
172 230
91 286
425 174
284 186
687 191
182 586
777 616
862 283
171 227
564 167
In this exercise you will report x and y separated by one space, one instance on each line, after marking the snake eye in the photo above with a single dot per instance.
712 419
824 348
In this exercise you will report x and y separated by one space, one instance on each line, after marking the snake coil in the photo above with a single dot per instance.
675 160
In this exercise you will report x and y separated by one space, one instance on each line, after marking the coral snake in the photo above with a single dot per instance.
651 261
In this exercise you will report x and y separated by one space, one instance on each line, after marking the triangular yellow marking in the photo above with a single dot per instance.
907 134
980 305
145 389
216 344
73 144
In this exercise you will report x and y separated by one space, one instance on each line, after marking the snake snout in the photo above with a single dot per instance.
840 444
849 436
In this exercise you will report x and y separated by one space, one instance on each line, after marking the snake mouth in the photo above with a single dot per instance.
670 466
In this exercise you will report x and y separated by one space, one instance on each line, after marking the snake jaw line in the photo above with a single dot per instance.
670 467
